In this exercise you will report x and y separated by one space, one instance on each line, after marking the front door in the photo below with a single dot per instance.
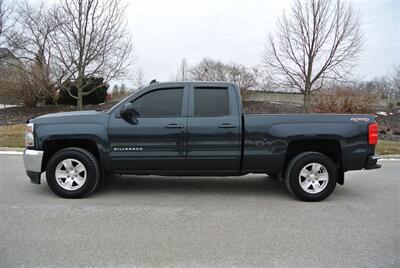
214 130
154 140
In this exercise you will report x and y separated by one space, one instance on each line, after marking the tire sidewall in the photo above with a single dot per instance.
300 164
85 160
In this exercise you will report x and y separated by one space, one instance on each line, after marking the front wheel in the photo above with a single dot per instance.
73 173
311 176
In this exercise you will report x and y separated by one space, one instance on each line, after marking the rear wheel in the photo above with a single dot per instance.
73 173
311 176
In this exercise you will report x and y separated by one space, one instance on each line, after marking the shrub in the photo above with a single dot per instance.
95 97
343 100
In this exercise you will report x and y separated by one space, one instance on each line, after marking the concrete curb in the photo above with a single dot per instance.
390 156
11 149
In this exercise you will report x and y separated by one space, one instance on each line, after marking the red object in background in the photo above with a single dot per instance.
109 96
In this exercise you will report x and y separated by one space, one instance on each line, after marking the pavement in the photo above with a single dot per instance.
152 221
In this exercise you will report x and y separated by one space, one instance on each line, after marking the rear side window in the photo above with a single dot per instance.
160 103
211 101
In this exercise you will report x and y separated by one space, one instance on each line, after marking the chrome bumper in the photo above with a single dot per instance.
33 160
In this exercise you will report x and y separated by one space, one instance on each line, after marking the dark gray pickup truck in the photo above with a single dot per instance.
197 129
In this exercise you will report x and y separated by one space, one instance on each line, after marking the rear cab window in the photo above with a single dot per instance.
211 101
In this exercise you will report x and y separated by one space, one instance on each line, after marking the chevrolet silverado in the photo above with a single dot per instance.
197 129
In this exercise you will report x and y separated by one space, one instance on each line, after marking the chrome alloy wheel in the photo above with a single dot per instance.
313 178
70 174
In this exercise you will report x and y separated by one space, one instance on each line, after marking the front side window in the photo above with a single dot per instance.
160 103
211 102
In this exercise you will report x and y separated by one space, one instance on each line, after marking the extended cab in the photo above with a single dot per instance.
197 129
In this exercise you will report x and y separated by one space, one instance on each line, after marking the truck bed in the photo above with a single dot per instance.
268 137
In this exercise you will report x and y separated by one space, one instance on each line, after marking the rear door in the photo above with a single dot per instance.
155 141
213 133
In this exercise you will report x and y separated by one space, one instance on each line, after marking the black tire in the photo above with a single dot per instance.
90 163
301 161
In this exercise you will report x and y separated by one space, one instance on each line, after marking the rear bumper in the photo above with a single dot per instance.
372 162
33 164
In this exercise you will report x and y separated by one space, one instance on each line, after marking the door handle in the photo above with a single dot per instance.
173 126
226 125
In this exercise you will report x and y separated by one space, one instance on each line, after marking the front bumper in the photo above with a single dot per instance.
372 162
33 164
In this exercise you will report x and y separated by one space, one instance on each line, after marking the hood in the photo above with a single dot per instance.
71 117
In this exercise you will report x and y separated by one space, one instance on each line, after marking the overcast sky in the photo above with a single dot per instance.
235 30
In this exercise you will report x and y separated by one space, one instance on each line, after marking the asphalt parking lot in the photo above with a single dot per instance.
248 221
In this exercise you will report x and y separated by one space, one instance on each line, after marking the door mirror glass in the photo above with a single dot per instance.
128 111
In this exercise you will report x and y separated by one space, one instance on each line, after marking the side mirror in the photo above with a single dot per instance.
128 111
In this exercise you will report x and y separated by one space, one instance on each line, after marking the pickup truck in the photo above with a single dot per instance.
197 129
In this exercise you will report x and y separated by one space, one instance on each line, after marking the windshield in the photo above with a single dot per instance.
109 110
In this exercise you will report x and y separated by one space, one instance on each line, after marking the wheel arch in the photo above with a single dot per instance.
330 148
50 147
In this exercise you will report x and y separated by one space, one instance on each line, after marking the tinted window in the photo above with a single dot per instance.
160 103
211 101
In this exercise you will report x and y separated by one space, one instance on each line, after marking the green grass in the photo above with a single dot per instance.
13 136
388 147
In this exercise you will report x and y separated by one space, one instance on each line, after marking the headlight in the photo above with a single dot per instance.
29 139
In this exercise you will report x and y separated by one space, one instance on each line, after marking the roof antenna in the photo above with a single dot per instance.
154 81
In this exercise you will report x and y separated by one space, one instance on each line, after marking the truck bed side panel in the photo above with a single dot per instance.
267 137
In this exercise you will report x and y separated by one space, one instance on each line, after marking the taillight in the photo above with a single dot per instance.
373 133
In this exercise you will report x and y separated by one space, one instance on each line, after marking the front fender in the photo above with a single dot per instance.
74 131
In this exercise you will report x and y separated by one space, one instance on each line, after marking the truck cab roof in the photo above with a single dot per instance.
196 83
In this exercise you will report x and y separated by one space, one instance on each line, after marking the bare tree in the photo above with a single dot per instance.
395 80
5 24
209 70
382 86
244 78
213 70
318 41
264 79
29 39
5 21
139 79
343 98
183 72
16 83
92 40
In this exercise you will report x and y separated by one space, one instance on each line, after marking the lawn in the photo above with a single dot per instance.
13 136
388 147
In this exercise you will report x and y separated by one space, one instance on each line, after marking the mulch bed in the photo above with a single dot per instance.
19 115
270 107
